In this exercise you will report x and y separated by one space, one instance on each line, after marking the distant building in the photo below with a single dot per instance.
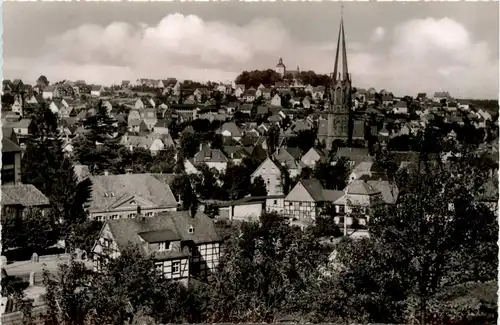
280 68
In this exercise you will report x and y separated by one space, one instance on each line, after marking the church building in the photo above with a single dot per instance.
337 124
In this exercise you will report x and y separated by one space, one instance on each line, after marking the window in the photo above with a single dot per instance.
114 217
275 202
191 229
163 246
132 202
159 268
176 267
99 218
148 214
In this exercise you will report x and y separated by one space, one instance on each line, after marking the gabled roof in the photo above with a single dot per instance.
361 188
108 189
207 154
318 193
232 128
23 194
400 104
163 227
351 152
9 146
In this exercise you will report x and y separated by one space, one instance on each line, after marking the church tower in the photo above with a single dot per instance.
338 124
280 68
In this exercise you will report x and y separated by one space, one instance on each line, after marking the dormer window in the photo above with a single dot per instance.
105 194
163 246
132 202
191 229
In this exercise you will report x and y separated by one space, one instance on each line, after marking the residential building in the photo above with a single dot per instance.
307 200
312 157
17 197
124 196
214 158
290 159
439 96
182 245
271 173
11 162
96 90
230 129
276 101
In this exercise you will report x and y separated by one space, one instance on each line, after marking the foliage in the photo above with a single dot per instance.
261 272
430 224
257 77
130 280
273 139
236 181
332 177
189 145
304 140
99 148
258 187
30 230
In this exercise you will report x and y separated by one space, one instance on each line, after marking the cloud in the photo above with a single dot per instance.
422 55
378 34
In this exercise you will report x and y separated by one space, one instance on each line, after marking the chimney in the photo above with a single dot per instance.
201 146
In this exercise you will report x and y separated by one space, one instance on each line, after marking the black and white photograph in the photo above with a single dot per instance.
264 162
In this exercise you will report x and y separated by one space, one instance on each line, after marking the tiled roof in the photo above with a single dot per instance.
232 128
23 194
389 192
351 152
207 154
9 146
174 225
107 190
361 188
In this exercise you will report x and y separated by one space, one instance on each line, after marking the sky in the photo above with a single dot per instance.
404 48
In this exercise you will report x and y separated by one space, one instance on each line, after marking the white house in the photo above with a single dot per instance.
312 157
96 91
276 101
271 174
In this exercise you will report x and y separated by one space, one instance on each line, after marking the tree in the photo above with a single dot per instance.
258 187
164 161
189 145
236 181
127 285
431 224
99 147
262 272
273 139
45 166
42 81
332 177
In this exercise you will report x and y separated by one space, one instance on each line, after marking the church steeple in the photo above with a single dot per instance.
344 75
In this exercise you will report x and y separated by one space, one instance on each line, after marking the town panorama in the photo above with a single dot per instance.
282 195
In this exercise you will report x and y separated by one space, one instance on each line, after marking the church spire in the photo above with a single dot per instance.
341 41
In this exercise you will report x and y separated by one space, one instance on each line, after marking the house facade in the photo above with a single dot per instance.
182 245
124 196
271 174
16 198
307 200
11 162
